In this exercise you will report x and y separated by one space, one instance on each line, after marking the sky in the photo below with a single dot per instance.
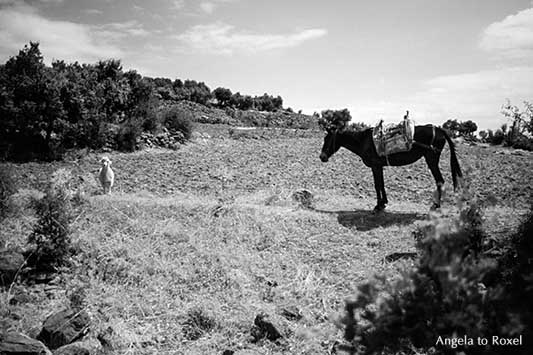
439 59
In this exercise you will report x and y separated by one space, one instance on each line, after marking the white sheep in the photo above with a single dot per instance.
106 175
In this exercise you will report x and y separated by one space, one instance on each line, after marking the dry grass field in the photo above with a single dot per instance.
194 243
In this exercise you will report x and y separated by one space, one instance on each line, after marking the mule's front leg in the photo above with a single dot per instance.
379 185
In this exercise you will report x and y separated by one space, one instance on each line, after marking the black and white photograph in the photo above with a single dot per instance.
242 177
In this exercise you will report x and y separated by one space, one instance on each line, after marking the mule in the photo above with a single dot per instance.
428 142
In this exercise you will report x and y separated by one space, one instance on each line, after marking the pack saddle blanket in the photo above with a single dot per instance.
394 138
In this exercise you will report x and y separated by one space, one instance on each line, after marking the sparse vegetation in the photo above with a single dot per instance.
460 129
177 119
50 240
202 245
47 110
456 290
197 323
199 241
7 189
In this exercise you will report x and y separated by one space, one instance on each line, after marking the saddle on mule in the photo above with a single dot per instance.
394 138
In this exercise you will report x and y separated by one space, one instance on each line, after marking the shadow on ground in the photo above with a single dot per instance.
365 220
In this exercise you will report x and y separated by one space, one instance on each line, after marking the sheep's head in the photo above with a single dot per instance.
105 161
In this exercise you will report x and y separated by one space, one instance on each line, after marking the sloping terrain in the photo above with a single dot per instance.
193 244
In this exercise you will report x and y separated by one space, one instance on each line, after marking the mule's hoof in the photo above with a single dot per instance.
378 209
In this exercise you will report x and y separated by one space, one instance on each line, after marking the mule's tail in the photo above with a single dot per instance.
454 163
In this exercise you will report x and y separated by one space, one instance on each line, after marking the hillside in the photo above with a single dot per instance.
237 117
194 243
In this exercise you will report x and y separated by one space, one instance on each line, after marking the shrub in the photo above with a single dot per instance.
197 324
51 235
7 188
151 122
127 135
178 119
495 138
523 142
456 289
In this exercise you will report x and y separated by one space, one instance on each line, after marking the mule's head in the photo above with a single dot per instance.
331 144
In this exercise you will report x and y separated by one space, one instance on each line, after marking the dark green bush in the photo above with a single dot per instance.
178 119
197 324
457 289
523 142
151 122
127 135
7 188
50 239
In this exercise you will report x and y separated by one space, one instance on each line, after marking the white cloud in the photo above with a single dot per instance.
29 2
50 1
178 4
93 11
208 7
225 39
65 40
476 96
211 5
511 37
116 31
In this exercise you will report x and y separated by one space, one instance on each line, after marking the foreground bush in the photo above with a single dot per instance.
7 188
50 239
456 290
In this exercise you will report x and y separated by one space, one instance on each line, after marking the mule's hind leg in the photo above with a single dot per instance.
432 161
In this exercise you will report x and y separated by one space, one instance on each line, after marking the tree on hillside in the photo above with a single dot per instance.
194 91
522 120
142 102
245 102
223 96
30 105
334 118
113 88
467 128
277 102
452 126
263 103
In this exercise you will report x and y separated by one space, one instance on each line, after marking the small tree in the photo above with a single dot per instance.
7 188
223 96
467 128
521 121
30 104
178 119
452 126
334 118
51 234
